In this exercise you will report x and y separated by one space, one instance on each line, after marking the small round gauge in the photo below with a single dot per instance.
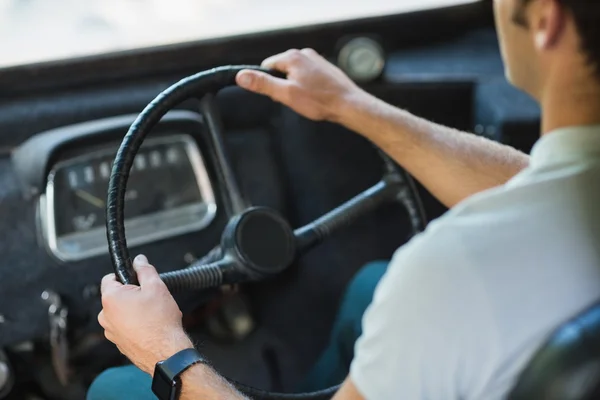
362 58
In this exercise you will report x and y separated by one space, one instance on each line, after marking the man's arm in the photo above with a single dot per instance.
144 322
452 165
202 382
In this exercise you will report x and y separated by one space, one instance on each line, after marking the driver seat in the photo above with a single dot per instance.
567 367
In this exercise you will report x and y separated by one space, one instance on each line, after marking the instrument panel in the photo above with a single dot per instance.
168 193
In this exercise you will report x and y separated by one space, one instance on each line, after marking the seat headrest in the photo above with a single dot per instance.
567 367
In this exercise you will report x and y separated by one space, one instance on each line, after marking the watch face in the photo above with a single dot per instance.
163 386
166 384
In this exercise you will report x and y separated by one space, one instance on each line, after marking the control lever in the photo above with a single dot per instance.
57 315
234 201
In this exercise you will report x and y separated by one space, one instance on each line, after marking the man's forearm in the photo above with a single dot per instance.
198 382
452 165
202 382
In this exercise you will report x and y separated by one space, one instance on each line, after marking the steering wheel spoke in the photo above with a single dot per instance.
233 200
199 276
308 236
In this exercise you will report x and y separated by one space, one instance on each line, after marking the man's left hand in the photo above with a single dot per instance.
144 322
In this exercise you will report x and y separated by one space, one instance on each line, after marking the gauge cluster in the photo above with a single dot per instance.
168 193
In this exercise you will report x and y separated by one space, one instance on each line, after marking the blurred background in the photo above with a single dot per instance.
42 30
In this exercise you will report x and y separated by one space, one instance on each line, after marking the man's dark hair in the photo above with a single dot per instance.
586 14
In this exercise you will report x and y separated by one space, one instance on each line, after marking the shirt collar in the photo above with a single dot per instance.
566 146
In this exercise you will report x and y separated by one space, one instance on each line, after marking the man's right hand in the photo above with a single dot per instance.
314 87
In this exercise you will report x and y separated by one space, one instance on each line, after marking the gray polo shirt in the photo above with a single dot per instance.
464 305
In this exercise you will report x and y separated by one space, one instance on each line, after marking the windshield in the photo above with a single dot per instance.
43 30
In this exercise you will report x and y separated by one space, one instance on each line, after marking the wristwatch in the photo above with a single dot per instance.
166 383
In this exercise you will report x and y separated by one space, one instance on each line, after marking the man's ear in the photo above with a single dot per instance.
547 23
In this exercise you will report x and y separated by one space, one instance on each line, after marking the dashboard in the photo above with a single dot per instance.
52 192
56 191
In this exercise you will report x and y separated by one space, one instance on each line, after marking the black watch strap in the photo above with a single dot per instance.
166 384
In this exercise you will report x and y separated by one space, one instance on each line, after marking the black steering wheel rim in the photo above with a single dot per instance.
194 86
395 186
237 264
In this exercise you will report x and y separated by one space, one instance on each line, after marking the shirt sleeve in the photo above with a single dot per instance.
428 333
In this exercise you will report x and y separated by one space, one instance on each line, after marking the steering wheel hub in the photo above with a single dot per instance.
262 240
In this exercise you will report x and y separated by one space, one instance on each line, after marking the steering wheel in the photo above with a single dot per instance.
257 242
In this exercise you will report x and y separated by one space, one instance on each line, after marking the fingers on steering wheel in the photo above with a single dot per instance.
146 273
109 282
309 52
102 319
283 61
265 84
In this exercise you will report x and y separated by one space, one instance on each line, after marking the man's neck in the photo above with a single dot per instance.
573 102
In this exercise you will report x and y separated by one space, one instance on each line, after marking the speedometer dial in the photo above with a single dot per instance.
168 193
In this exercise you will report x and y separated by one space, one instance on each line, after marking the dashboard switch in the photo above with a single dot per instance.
59 345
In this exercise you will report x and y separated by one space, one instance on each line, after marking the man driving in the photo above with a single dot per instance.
463 306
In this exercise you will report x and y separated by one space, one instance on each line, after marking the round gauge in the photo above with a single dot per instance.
168 193
363 59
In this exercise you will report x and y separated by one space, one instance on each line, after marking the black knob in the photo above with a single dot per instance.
261 240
